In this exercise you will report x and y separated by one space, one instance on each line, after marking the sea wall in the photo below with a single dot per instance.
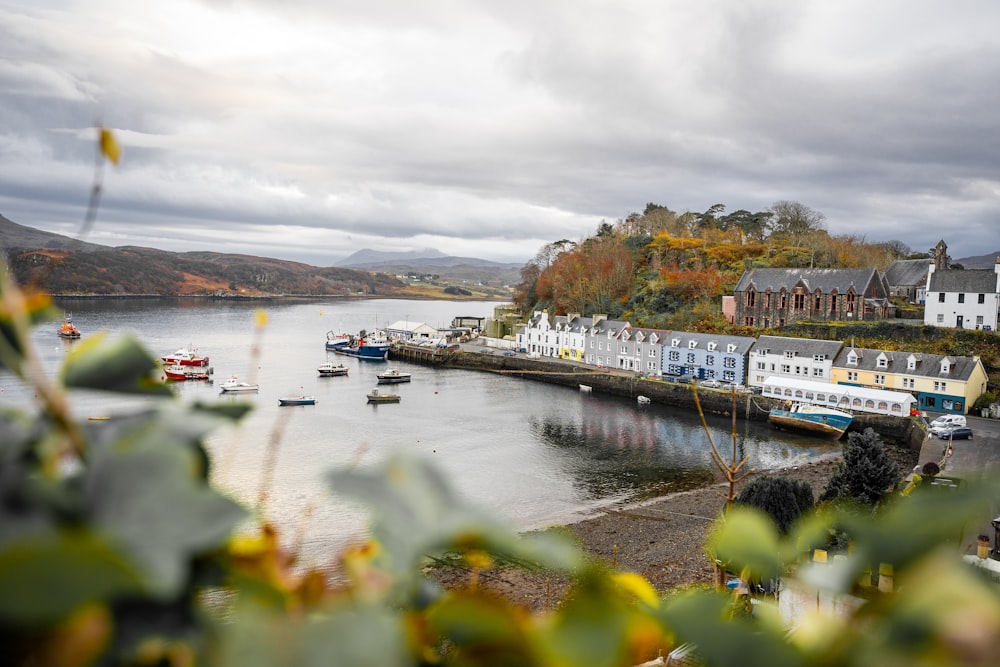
902 431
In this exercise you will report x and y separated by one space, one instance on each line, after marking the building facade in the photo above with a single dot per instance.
706 356
640 350
964 299
795 358
775 297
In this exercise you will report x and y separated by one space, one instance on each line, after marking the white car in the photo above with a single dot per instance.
945 423
711 383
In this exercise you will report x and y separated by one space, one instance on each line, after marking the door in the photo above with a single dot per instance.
958 323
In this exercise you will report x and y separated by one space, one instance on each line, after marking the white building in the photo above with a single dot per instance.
406 331
795 358
965 299
841 396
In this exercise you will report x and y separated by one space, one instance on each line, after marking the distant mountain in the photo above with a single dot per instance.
13 235
367 258
464 270
987 261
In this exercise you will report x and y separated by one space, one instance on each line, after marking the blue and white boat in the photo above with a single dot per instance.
367 346
812 419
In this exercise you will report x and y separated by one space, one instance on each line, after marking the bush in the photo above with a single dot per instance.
867 473
783 499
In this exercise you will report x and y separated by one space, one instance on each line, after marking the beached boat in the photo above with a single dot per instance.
329 369
373 346
643 400
234 384
812 419
377 396
68 329
393 376
186 356
178 372
297 400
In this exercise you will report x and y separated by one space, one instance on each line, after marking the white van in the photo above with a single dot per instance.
946 422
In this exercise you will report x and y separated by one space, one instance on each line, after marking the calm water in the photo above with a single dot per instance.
536 454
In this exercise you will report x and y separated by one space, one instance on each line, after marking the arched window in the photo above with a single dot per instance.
897 409
809 396
856 403
798 393
869 404
820 397
788 392
883 406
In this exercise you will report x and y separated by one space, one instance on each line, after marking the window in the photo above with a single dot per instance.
982 298
767 301
852 376
798 370
674 355
817 372
731 347
767 323
712 345
761 366
979 321
675 342
652 351
940 297
710 360
881 362
819 358
850 302
961 298
729 362
692 344
852 359
751 298
799 301
762 352
907 383
674 369
940 318
833 303
789 354
748 321
879 379
785 368
729 376
691 358
784 301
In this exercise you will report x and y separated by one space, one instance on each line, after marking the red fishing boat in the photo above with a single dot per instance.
186 356
68 329
178 372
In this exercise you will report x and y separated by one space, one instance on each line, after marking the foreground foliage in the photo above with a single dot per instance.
115 549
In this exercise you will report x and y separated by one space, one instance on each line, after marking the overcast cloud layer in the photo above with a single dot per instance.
310 129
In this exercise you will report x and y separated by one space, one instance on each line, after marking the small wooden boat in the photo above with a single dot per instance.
379 397
68 329
329 369
393 376
233 384
297 400
643 400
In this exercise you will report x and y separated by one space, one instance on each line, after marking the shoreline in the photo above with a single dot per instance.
661 538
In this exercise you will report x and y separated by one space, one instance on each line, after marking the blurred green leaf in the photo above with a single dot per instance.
484 631
122 366
151 502
414 512
44 578
747 539
37 308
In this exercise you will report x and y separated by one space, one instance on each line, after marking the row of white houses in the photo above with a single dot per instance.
946 383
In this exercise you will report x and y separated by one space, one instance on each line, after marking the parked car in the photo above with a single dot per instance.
711 383
509 353
946 421
954 433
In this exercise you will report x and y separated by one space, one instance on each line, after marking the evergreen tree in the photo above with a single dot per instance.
867 472
783 499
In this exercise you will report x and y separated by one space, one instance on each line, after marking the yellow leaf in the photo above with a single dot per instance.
638 586
110 146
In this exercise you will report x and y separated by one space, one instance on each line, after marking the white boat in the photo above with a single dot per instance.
643 400
812 419
393 376
586 388
380 397
330 369
297 400
234 384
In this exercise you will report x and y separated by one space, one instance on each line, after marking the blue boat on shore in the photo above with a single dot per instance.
812 419
366 346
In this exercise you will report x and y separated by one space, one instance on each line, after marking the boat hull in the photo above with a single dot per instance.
821 422
372 352
297 401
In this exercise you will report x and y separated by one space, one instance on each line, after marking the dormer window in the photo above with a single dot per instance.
692 344
762 352
789 354
712 346
731 347
945 366
675 342
882 361
911 363
852 358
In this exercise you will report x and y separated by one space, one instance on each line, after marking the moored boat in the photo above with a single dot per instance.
812 419
234 384
186 356
393 376
329 369
367 346
376 396
68 329
297 400
642 400
178 372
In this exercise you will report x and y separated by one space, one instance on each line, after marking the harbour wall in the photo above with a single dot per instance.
902 431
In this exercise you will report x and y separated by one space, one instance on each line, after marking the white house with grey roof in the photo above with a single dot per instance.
796 358
602 341
706 356
964 299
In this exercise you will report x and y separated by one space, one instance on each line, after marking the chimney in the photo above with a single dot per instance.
599 318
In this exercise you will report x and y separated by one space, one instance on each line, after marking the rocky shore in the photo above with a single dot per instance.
662 539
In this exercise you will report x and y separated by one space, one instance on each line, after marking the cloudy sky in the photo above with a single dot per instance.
308 129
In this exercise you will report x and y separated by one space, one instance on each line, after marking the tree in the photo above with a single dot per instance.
867 473
783 499
794 220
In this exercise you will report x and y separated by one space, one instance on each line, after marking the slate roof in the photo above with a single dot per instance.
805 347
742 343
663 334
970 280
826 280
907 272
928 365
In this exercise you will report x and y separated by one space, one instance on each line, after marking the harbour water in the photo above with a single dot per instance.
532 453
